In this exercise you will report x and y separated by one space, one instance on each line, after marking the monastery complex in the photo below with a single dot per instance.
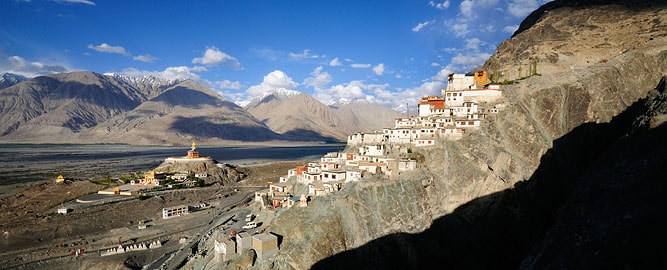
463 105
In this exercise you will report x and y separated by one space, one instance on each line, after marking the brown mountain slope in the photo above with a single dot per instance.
184 112
86 107
361 116
299 116
57 106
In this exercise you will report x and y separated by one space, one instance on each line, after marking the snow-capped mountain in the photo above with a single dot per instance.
87 107
151 81
9 79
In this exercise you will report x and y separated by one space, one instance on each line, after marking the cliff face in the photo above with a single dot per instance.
471 208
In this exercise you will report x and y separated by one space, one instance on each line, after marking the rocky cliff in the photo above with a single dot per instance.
569 175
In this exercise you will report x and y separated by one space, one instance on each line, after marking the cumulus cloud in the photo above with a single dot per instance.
145 58
304 55
441 6
268 54
360 65
274 80
419 26
335 62
349 91
510 29
213 57
403 99
460 29
473 44
467 7
21 66
227 84
87 2
442 75
521 8
106 48
318 79
379 69
467 62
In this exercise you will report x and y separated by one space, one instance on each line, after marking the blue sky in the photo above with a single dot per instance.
387 52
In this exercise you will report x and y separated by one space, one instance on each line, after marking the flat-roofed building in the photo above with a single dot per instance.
243 241
174 211
265 244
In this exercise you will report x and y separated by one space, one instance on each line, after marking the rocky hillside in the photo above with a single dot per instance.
569 175
187 111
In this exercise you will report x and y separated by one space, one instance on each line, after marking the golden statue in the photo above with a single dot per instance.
194 146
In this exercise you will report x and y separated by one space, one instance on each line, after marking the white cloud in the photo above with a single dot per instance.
379 69
467 62
471 8
399 99
19 65
304 55
335 62
360 65
268 54
106 48
145 58
443 74
318 79
275 79
87 2
460 29
441 6
467 7
398 75
350 91
473 44
227 84
510 29
419 26
213 56
434 64
199 68
521 8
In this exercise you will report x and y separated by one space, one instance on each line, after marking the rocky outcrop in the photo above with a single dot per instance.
568 175
221 173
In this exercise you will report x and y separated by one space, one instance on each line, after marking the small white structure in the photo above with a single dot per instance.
63 210
328 176
352 176
225 248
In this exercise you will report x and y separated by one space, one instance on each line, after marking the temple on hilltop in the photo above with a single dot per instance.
192 155
60 179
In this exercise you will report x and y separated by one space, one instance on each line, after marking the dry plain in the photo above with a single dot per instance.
35 237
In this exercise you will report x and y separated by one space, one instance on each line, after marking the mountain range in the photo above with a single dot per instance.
87 107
